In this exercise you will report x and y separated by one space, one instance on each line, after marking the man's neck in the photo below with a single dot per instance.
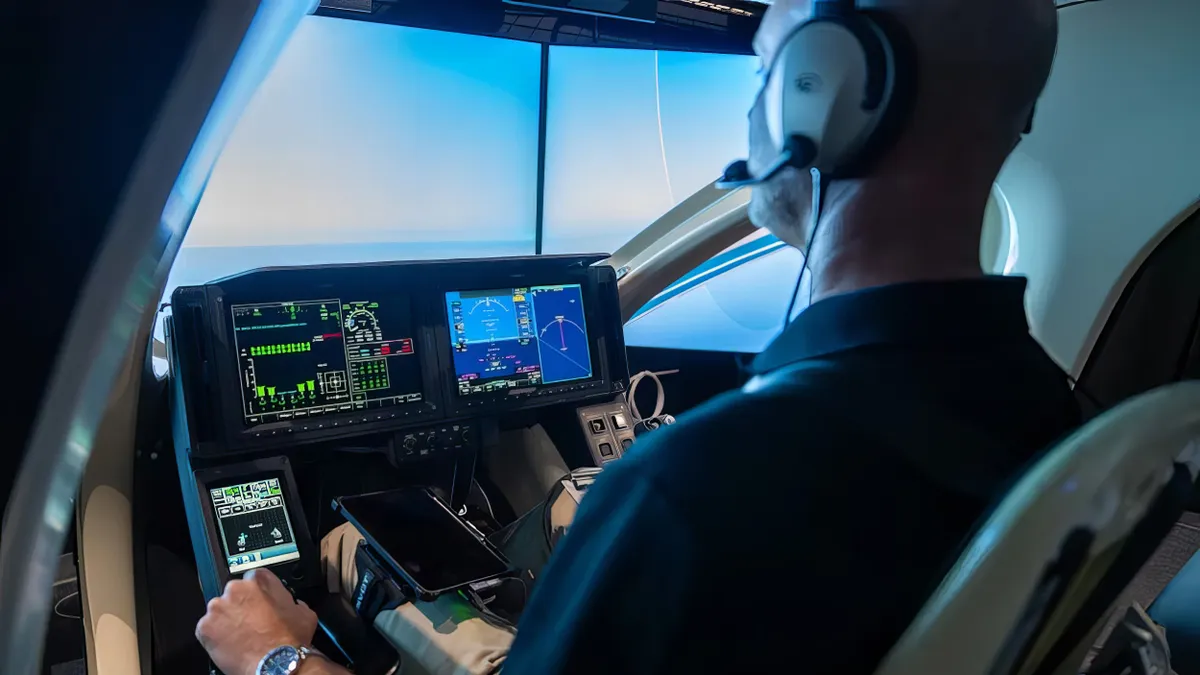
877 233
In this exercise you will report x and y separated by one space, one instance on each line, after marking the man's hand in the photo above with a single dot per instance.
255 615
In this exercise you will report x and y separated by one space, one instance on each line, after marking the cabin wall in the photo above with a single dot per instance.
1113 160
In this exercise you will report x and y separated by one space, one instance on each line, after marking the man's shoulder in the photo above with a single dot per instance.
739 439
790 412
735 415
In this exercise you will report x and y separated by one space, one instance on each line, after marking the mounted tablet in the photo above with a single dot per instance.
422 541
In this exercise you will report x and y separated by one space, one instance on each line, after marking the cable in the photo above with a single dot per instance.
787 318
660 400
485 497
819 185
61 601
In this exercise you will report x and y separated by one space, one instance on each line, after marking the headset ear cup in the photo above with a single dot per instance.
893 72
817 88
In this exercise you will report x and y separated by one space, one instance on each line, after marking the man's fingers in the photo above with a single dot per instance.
202 629
271 585
235 589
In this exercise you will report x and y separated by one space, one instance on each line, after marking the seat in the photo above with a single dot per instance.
1032 588
1178 609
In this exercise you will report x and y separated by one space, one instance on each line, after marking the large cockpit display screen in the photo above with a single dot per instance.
514 338
308 358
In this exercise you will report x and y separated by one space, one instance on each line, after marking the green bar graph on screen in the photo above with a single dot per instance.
270 391
310 384
293 348
262 391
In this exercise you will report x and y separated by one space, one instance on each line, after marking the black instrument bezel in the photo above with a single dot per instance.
304 572
425 284
511 275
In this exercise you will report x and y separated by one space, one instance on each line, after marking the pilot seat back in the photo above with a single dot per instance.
1033 587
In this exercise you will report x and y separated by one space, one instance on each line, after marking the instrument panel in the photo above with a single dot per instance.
284 355
518 337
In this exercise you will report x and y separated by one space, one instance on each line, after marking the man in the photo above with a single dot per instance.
787 527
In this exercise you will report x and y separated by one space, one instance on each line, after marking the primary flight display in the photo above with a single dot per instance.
513 338
308 358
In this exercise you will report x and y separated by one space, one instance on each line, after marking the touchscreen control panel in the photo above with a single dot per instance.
308 358
254 525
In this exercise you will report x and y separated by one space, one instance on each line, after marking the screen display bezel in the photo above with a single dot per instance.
372 282
350 506
301 572
592 343
605 343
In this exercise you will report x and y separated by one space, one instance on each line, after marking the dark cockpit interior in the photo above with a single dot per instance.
176 441
293 388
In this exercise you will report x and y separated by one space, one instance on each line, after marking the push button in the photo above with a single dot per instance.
626 443
606 450
619 422
598 425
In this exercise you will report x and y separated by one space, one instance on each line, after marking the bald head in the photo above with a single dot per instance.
981 63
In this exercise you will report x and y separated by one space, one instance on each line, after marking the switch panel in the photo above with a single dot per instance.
434 441
607 429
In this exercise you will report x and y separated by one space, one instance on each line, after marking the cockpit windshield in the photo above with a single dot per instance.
373 142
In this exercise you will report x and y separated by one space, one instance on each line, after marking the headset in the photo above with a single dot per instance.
835 95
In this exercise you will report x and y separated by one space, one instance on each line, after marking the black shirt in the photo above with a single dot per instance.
778 530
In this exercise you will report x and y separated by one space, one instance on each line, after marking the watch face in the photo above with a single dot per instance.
280 661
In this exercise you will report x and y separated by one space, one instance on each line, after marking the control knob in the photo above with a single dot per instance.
410 443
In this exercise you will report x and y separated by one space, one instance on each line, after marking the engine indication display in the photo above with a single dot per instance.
308 358
518 337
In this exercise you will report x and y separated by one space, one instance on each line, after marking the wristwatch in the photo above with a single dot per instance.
283 660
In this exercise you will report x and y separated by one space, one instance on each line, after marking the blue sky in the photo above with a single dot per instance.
367 132
609 172
375 142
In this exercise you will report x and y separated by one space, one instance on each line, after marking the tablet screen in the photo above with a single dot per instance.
255 528
423 538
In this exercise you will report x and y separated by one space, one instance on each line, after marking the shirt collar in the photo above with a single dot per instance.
918 313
